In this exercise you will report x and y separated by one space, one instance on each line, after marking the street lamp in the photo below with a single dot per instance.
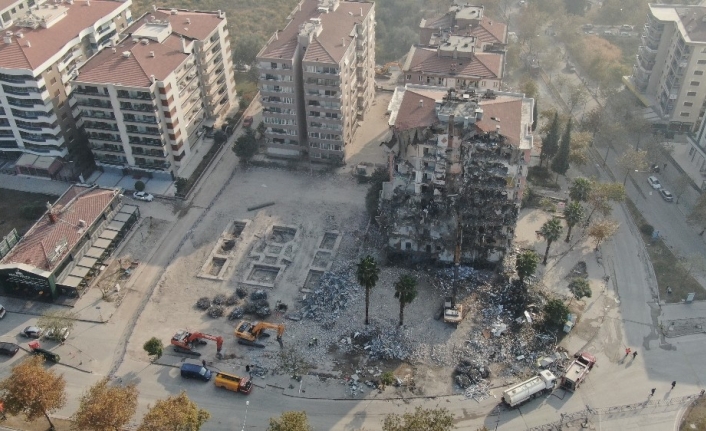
247 403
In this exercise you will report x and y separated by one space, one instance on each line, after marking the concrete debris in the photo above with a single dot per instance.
258 294
479 391
326 302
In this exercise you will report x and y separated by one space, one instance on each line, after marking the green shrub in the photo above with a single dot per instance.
139 186
647 229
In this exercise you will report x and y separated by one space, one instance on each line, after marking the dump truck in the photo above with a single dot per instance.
529 389
577 371
233 383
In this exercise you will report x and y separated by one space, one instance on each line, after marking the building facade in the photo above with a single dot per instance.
41 51
143 102
317 79
671 61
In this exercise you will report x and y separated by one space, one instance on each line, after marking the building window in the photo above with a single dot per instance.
6 16
420 78
441 81
688 104
691 93
482 83
683 114
694 83
57 93
53 81
698 72
428 79
409 77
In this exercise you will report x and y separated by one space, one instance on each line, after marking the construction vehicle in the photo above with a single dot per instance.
233 383
185 342
385 70
248 333
529 389
577 371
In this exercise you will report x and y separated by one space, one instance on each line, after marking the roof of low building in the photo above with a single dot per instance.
48 241
503 111
415 110
38 45
481 64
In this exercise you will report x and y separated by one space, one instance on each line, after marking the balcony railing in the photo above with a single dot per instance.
94 103
138 108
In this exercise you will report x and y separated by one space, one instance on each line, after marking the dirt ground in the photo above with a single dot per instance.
11 216
695 417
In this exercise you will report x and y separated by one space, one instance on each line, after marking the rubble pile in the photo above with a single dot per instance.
325 304
478 392
383 345
468 373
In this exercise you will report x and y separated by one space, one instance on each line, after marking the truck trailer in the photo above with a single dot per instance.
532 388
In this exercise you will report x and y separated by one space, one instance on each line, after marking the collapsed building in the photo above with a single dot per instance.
457 172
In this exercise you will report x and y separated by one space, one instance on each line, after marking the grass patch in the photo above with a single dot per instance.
668 271
20 210
541 176
695 417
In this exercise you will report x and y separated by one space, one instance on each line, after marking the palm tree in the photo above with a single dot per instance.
573 214
551 231
405 291
367 277
526 264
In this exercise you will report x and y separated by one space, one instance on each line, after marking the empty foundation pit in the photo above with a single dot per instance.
329 241
282 234
312 279
273 249
263 274
216 266
321 259
238 227
270 260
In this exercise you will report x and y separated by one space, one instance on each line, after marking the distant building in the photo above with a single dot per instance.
460 49
456 160
42 48
62 252
671 60
143 102
317 79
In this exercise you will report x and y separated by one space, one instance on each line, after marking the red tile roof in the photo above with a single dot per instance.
76 204
413 114
108 67
46 42
490 31
507 112
481 64
336 25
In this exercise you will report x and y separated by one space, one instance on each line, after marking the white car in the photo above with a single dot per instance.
2 311
654 182
142 196
60 335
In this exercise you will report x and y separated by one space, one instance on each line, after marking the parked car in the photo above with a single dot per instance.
654 182
48 355
60 335
33 332
8 349
626 27
2 311
143 196
195 371
666 195
624 34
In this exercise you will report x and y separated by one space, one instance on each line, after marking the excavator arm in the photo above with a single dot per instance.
217 338
247 333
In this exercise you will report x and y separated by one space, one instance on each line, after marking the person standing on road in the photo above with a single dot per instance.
653 391
634 354
203 362
627 352
674 383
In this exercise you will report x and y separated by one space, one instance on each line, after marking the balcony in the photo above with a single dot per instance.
139 151
152 164
112 161
25 103
100 126
137 107
103 137
94 103
32 115
15 79
22 91
108 148
129 118
122 94
153 131
145 141
98 114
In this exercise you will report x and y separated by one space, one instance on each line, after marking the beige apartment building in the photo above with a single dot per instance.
671 61
143 102
317 79
43 45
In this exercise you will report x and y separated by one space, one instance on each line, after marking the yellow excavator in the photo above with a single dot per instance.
248 333
385 70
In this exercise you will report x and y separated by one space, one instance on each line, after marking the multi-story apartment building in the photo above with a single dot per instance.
143 102
42 48
671 61
460 49
317 79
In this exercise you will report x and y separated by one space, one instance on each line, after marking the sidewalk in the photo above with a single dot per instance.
33 184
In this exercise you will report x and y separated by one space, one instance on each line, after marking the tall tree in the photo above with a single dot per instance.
405 292
246 47
580 189
176 413
556 312
550 143
560 163
573 214
602 196
290 421
632 160
368 274
681 185
602 230
580 142
33 391
105 408
526 264
154 347
550 231
577 96
245 146
439 419
580 288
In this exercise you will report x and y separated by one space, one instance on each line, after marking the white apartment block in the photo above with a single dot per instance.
43 45
671 61
143 102
317 79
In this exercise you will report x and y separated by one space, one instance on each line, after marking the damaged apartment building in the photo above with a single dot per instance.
458 165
